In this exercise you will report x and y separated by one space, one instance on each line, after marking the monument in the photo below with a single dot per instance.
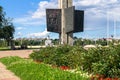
65 21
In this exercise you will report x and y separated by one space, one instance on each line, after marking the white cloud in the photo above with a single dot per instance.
20 28
95 13
36 18
94 3
29 21
39 34
92 28
97 10
98 4
43 5
19 34
114 13
86 2
93 10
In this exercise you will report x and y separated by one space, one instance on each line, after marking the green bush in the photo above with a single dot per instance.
104 61
101 60
93 55
3 43
60 56
43 54
74 58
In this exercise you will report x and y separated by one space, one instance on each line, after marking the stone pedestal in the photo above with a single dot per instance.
67 22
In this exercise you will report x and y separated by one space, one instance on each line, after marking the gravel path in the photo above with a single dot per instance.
7 74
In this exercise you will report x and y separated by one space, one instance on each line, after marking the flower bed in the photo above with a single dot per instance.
102 77
100 60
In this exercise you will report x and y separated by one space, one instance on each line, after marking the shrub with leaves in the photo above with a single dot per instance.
101 60
104 61
60 56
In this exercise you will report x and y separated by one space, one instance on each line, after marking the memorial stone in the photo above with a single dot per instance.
65 21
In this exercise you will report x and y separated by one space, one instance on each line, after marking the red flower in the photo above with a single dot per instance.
101 79
64 68
108 79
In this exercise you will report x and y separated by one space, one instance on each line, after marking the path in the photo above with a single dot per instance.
20 53
6 74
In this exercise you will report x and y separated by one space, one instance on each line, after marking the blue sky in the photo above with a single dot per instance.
30 21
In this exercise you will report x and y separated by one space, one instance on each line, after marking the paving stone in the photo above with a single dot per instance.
6 74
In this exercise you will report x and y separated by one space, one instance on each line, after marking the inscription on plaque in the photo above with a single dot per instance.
53 20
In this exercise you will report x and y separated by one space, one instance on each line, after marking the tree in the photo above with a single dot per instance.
6 29
1 14
1 20
8 33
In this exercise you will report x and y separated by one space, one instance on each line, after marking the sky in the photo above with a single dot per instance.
102 18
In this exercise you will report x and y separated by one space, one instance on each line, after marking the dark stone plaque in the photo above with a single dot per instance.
78 21
53 17
69 19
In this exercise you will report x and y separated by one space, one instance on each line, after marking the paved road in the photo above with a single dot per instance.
6 74
20 53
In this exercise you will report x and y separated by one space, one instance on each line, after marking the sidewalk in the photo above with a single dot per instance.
20 53
6 74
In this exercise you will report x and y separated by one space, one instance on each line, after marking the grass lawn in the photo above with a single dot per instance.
4 48
29 70
7 48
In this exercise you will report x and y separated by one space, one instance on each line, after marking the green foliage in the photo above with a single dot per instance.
44 54
3 43
55 41
34 42
28 70
102 42
60 56
8 60
93 55
4 48
74 57
17 42
47 55
100 60
28 42
6 28
83 42
104 61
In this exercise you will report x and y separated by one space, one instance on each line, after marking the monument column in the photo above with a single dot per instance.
65 21
66 38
